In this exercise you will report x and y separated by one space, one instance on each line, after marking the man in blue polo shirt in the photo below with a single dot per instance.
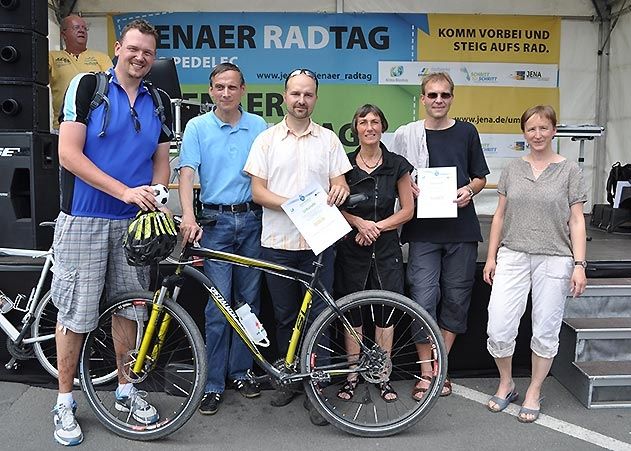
217 145
107 168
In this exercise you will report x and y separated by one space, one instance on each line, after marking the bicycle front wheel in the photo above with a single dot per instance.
391 326
171 377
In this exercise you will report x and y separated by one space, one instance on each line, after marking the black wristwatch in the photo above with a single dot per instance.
582 263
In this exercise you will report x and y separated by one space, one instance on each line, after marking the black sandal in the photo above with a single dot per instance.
386 389
348 389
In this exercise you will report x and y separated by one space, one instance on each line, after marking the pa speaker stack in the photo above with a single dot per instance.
29 165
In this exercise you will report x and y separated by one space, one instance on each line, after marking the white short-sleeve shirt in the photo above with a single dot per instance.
290 163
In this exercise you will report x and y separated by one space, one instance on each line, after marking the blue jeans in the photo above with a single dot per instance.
287 294
238 233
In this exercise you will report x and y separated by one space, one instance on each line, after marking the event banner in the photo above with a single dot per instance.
500 64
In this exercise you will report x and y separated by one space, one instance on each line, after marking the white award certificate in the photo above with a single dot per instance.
320 224
438 188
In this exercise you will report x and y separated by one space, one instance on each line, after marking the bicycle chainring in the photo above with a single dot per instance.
280 366
21 351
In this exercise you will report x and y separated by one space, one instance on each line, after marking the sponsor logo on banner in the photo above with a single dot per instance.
406 72
396 71
489 148
473 74
499 145
522 75
476 77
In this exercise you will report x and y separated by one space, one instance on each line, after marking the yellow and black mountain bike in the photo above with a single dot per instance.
167 359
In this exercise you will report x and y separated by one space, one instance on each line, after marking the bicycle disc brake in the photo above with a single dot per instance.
378 365
130 361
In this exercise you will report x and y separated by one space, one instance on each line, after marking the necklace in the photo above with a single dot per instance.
536 170
376 163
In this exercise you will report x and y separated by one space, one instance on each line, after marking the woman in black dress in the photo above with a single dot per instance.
370 256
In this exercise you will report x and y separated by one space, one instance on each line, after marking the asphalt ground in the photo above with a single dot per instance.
457 422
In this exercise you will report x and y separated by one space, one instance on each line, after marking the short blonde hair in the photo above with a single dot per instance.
437 76
545 111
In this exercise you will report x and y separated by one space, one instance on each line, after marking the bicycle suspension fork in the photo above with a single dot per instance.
156 321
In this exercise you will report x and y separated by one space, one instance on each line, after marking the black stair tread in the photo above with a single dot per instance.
600 368
598 323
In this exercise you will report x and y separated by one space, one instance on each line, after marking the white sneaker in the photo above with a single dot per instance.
67 430
141 410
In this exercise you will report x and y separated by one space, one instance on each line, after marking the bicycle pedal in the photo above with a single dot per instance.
12 365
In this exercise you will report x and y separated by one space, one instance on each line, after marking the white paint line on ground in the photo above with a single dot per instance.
555 424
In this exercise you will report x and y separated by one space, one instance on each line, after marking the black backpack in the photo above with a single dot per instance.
100 96
617 174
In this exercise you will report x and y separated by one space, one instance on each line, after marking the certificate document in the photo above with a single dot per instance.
320 224
438 187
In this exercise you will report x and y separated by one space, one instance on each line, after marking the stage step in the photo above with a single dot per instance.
609 383
600 328
594 359
602 298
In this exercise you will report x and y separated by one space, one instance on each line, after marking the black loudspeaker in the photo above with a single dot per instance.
23 107
25 14
23 56
29 189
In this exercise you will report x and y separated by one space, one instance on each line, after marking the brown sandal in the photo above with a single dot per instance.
446 390
420 390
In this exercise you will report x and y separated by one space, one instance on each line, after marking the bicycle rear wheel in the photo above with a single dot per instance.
46 350
44 325
325 356
173 378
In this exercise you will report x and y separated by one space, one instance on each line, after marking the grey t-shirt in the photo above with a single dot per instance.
538 210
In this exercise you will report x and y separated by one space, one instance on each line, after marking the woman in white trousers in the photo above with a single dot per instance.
536 243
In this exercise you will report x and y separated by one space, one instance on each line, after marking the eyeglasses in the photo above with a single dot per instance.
78 27
435 95
307 72
134 117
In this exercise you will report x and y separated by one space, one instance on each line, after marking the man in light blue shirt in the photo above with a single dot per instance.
217 145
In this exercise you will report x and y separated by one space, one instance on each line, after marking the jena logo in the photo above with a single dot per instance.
518 146
535 75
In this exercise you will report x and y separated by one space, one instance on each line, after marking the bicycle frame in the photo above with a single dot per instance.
311 281
15 335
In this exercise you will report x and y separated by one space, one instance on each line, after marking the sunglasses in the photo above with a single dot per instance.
435 95
307 72
135 120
